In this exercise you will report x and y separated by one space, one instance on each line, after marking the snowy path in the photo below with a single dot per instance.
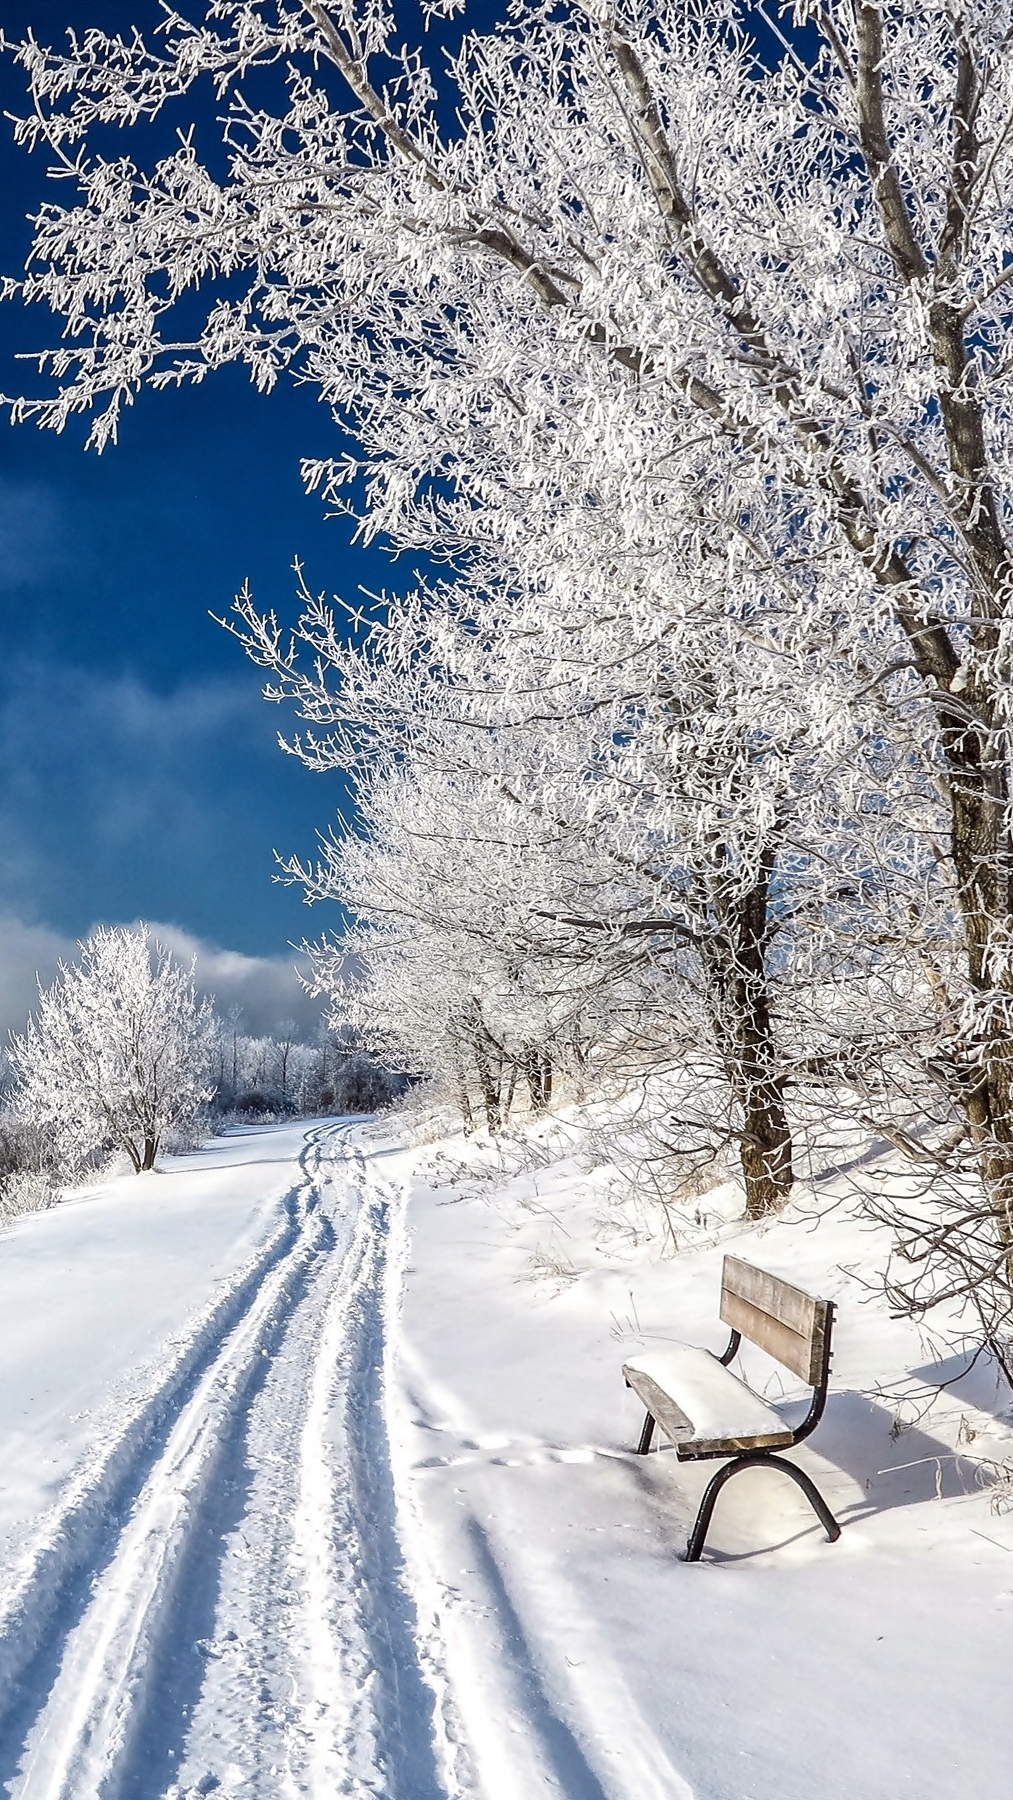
241 1624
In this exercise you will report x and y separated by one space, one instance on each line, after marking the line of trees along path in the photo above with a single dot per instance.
692 364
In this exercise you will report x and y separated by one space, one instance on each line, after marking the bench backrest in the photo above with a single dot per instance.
786 1322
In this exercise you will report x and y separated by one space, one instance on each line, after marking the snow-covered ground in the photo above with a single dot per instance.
316 1478
200 1590
585 1658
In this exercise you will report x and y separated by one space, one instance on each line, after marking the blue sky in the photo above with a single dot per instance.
139 768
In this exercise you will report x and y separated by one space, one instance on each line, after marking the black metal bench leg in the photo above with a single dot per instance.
756 1460
703 1518
646 1435
812 1494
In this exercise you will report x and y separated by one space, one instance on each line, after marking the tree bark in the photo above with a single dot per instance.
463 1098
538 1069
489 1087
740 1008
981 857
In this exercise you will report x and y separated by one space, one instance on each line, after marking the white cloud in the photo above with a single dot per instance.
265 989
117 798
28 954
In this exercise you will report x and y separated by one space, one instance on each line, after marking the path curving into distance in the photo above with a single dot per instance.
224 1609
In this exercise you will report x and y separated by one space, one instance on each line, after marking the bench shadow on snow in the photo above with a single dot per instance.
858 1436
893 1464
972 1378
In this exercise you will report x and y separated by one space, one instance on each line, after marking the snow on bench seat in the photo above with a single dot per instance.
700 1405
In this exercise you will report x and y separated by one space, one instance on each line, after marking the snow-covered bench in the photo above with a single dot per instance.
707 1411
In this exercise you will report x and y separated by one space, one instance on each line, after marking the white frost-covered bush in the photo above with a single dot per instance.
117 1054
26 1191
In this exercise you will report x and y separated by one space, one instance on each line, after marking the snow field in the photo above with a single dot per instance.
584 1657
344 1502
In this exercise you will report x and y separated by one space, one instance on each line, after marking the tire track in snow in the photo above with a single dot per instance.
349 1708
164 1462
267 1520
50 1584
406 1702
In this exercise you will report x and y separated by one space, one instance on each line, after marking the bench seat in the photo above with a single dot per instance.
700 1405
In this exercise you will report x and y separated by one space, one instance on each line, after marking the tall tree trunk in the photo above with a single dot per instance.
740 1008
489 1086
538 1070
983 861
463 1097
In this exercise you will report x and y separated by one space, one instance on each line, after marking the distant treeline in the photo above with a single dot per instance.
279 1074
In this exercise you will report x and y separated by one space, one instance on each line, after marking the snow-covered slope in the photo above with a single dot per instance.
317 1478
585 1658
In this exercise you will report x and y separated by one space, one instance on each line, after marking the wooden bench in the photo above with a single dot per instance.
708 1412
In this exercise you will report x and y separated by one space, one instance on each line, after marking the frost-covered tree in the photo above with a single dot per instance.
643 296
609 819
461 964
117 1053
